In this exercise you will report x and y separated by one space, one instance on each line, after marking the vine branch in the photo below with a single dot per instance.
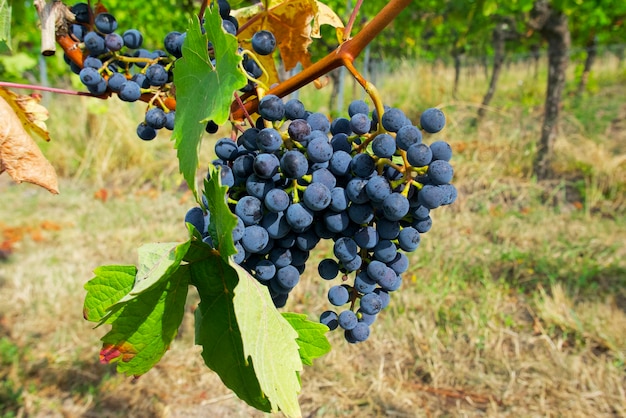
347 51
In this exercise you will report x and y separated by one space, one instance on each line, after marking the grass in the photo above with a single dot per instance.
514 305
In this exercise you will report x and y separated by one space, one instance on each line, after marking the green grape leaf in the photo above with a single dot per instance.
265 333
311 337
145 326
241 333
217 328
203 91
222 220
109 286
157 262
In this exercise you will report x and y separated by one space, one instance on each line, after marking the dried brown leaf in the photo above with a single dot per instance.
19 155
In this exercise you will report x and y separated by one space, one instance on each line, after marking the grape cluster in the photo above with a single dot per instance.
117 62
367 183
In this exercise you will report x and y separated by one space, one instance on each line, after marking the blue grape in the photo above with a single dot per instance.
224 7
340 125
318 122
395 206
226 149
263 42
431 196
362 165
378 188
340 142
440 172
288 277
330 319
423 225
146 132
294 109
113 42
338 199
441 150
115 82
229 27
345 249
384 146
450 194
170 118
195 216
95 43
384 297
269 140
361 213
319 150
328 269
92 62
324 176
249 209
281 257
394 119
385 251
432 120
298 130
387 229
129 91
419 155
132 39
258 187
347 320
359 333
400 264
356 190
173 43
271 107
265 270
275 224
366 237
105 23
276 200
371 303
254 239
155 117
358 106
339 163
240 255
338 295
316 197
238 230
299 217
307 240
294 164
89 76
266 165
156 75
353 264
360 123
407 136
409 239
81 12
363 283
336 221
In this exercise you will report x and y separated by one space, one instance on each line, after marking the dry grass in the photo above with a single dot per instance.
515 304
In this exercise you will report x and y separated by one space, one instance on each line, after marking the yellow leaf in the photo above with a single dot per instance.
291 24
326 16
20 157
29 111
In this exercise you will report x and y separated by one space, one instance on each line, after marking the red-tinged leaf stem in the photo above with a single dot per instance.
353 15
346 52
48 89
